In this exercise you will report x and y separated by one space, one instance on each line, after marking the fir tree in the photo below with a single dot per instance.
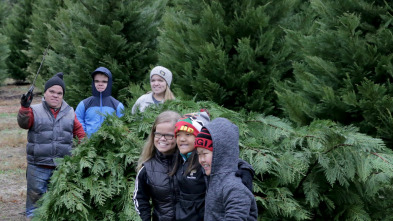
322 171
4 53
343 70
227 52
42 16
119 35
16 29
4 49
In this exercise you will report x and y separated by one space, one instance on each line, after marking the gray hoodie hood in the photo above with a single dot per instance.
225 137
227 198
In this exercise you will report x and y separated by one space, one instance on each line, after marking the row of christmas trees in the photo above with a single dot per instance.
302 60
308 83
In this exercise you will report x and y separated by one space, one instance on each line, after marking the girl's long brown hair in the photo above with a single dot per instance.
148 147
193 162
168 94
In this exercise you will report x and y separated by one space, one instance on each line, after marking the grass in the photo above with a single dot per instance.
17 172
12 139
7 115
13 163
11 134
8 122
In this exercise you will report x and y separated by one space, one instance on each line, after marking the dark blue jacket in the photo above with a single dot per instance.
92 110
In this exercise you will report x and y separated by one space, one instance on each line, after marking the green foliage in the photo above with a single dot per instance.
5 9
4 48
226 52
42 16
323 171
135 91
343 67
85 35
4 53
16 29
97 182
329 63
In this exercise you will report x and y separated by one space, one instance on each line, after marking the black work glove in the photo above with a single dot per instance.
26 99
246 176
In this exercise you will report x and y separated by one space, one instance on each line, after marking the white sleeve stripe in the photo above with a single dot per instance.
136 190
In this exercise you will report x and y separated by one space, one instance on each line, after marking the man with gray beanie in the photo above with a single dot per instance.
52 125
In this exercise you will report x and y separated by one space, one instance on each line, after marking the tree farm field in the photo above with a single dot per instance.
12 152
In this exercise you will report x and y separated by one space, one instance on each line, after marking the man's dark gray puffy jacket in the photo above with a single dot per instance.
50 138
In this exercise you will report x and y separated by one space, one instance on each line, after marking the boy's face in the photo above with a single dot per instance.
185 142
100 82
164 139
205 157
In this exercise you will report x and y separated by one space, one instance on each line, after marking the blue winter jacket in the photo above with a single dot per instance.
91 111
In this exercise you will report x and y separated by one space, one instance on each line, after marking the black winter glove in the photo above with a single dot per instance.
26 99
246 176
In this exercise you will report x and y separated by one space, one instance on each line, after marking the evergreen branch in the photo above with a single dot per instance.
374 153
297 190
261 195
274 126
339 145
259 150
86 6
312 167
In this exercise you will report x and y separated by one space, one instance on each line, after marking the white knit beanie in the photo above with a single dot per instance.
162 72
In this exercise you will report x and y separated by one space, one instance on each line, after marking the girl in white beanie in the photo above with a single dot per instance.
160 82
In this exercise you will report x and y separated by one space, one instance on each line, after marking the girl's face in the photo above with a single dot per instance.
185 142
164 139
158 84
205 157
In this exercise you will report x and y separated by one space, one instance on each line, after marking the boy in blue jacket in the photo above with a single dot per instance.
92 110
227 198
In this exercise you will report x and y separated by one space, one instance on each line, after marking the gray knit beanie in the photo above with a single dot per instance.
162 72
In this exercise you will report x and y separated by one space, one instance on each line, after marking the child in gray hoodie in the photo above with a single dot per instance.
218 152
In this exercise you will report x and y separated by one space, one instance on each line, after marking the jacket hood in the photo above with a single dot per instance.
108 90
225 137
